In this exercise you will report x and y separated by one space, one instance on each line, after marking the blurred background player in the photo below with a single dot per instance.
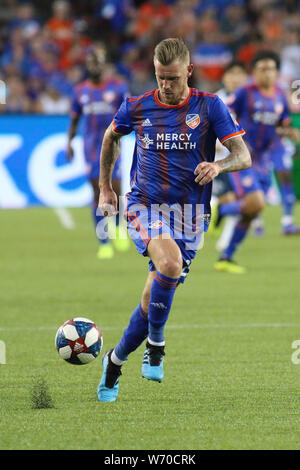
282 160
262 109
97 100
235 75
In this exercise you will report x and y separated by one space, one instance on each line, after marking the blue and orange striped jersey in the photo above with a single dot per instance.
170 142
97 104
259 114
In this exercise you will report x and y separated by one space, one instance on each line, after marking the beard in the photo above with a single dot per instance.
172 98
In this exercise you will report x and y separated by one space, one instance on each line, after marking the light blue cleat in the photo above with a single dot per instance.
108 387
152 368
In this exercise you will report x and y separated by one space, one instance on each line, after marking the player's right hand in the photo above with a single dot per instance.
69 152
108 202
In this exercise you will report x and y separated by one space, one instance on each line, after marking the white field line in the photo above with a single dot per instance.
65 217
173 327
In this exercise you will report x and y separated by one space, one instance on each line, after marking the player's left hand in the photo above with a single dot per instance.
206 172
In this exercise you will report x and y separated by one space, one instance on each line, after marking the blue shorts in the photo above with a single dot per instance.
282 156
247 181
221 185
145 223
93 170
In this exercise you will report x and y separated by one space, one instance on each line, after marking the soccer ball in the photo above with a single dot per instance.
78 341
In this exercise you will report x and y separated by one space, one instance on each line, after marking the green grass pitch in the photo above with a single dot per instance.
229 379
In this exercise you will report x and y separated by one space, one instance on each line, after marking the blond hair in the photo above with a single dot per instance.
171 49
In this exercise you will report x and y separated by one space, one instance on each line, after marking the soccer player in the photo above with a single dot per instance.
234 76
173 167
97 100
262 109
282 159
282 163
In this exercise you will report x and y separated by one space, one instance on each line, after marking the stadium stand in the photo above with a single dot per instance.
43 45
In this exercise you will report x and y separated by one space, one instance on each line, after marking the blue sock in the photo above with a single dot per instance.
239 233
161 298
230 208
135 333
100 225
287 197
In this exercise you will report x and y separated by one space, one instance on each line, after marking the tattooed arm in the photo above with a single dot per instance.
238 159
108 201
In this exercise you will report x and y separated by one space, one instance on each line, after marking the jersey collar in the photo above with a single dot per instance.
164 105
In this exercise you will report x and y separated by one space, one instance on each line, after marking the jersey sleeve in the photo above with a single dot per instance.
224 126
122 123
76 107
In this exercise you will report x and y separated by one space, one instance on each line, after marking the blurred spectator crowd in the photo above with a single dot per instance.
43 45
